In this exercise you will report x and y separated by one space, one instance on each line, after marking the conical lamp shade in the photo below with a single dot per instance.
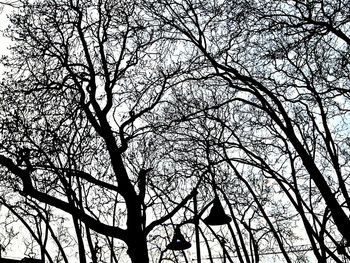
178 242
217 215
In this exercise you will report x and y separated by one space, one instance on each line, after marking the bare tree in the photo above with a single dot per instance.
82 76
274 74
113 112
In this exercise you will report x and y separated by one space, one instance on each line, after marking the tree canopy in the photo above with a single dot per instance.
117 117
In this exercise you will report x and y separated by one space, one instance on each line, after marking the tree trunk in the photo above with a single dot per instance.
137 247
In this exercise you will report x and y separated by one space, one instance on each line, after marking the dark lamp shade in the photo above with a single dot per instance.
217 215
178 242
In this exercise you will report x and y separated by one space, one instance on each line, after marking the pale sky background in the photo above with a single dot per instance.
4 43
4 21
17 249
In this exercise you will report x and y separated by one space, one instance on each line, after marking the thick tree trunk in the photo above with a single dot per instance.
340 218
137 247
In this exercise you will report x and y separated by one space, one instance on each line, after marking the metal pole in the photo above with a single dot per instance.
196 226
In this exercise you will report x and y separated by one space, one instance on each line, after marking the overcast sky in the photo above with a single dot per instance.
4 42
4 21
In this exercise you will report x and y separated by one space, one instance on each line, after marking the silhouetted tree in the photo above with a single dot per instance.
274 76
113 112
81 77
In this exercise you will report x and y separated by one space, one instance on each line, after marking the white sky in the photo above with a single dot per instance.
4 21
4 43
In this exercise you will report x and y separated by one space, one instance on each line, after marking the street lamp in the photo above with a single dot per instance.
217 216
178 242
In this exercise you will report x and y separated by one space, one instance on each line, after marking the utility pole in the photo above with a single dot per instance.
196 225
1 249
